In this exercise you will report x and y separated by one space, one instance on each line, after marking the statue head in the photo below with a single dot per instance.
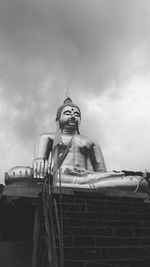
68 115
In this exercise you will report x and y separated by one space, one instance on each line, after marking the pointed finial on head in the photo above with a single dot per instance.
67 93
67 98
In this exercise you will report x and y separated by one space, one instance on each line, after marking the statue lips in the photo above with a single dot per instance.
72 121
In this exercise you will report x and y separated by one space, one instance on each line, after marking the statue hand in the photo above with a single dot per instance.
40 167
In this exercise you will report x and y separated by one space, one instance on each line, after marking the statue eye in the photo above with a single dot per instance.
67 112
77 114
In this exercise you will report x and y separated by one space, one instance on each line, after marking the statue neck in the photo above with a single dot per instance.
69 131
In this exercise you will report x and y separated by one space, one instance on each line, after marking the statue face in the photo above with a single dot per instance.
70 118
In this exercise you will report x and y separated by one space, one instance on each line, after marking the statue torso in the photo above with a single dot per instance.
78 155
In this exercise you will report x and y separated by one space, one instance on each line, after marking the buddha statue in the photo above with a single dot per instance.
83 156
73 160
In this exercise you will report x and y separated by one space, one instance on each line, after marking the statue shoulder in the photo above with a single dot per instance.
45 136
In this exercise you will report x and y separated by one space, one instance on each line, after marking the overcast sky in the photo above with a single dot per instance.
100 49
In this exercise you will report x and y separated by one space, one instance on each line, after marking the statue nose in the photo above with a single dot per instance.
73 118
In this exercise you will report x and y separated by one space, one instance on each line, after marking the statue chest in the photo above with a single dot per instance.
78 153
78 146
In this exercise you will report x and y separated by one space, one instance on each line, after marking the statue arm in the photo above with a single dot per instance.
42 155
43 147
97 159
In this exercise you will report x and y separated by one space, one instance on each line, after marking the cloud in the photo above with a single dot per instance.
77 38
